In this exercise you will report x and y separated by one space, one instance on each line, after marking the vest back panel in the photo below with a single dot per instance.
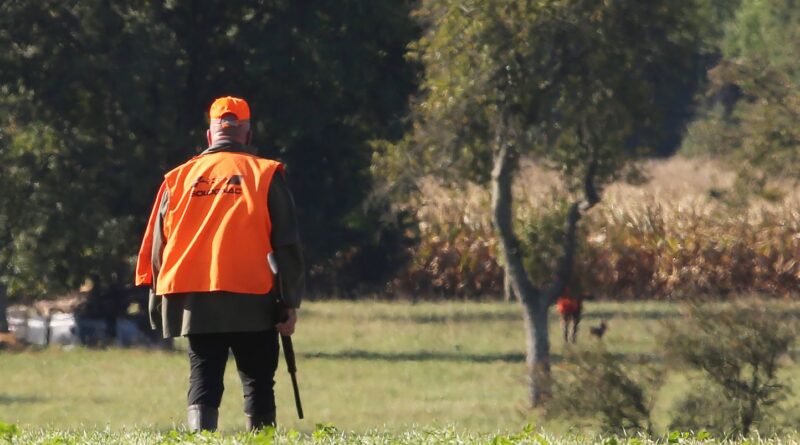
217 228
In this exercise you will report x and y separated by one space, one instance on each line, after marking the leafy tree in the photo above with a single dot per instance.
55 223
753 100
100 98
567 82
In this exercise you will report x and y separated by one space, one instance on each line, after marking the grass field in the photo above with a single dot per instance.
369 366
325 436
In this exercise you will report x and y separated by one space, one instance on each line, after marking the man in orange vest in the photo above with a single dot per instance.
222 226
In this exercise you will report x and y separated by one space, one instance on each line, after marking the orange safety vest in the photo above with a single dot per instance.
217 228
567 304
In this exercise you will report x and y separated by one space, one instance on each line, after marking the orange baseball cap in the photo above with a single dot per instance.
229 105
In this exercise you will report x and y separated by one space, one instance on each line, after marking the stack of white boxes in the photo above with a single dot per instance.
63 330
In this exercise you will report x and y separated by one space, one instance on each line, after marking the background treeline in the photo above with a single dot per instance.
98 99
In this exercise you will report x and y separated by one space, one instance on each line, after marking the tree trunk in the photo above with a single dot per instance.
508 289
532 300
537 341
535 302
3 319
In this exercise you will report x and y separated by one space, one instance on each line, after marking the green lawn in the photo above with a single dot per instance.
327 436
362 366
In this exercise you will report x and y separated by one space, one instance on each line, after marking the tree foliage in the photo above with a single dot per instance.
575 85
753 101
101 98
561 76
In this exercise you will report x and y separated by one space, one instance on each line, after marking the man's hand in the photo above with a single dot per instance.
286 327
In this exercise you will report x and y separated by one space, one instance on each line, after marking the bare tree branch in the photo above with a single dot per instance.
576 211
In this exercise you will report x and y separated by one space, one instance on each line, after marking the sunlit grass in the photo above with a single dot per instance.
328 434
363 366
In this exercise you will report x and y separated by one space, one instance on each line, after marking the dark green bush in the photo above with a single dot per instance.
739 349
705 408
598 386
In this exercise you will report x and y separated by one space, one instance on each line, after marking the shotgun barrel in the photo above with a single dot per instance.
286 341
291 365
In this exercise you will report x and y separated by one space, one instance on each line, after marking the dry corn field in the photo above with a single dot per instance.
670 237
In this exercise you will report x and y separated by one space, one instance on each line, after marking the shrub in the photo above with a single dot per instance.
596 384
738 348
704 408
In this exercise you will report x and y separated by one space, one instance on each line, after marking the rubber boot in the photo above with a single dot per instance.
256 422
202 418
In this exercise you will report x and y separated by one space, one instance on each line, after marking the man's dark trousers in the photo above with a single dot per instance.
256 355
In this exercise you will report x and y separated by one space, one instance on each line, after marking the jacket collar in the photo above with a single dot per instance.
228 146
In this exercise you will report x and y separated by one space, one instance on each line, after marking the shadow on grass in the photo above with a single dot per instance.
643 315
516 316
416 356
431 318
7 400
442 356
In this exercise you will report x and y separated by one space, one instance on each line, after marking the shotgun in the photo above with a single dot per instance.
288 354
286 342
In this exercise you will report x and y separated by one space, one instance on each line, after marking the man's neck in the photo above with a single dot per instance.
230 145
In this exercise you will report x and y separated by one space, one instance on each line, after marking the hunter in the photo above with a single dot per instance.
221 254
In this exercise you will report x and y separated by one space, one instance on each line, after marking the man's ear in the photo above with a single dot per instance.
208 137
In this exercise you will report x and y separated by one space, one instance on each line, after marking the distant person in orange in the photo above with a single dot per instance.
222 257
570 307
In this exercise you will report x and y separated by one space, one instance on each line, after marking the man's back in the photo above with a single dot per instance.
217 225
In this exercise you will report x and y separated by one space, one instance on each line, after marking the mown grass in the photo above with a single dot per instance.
368 366
327 435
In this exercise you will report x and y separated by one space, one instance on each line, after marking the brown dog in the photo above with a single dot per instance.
599 331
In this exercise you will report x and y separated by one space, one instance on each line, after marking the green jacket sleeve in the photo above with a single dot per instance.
155 301
285 239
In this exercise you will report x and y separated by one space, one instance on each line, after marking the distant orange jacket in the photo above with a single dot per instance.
567 305
217 227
